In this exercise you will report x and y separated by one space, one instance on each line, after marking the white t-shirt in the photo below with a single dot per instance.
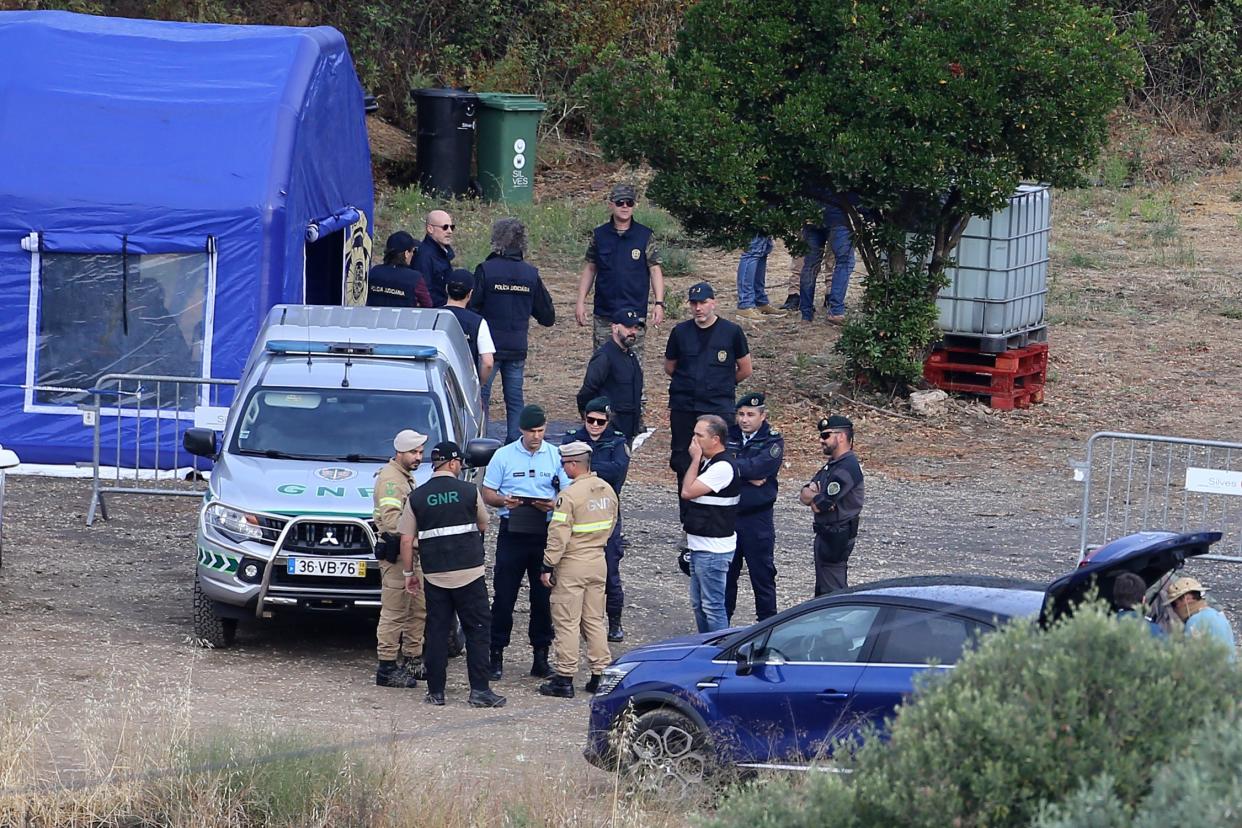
717 477
484 339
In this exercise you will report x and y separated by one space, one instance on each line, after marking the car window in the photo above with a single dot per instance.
918 637
833 634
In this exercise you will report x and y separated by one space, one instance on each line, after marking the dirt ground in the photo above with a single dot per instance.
1145 306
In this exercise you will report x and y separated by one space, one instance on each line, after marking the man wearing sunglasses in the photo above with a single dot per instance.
758 453
623 262
835 495
434 258
615 372
610 459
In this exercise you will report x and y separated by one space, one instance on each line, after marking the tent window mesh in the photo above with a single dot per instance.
112 314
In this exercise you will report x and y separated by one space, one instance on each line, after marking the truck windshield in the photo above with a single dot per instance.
348 424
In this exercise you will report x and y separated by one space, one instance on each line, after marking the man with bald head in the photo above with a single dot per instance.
434 259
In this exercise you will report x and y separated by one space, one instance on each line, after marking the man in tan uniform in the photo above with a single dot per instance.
575 569
402 615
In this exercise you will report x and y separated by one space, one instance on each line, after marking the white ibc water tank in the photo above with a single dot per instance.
998 285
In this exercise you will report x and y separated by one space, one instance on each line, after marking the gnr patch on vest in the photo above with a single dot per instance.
635 253
721 356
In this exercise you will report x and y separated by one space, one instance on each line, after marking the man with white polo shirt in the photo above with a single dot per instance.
710 491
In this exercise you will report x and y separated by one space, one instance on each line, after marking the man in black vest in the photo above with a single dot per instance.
835 495
508 292
616 373
443 523
394 284
706 357
435 255
623 262
710 492
459 288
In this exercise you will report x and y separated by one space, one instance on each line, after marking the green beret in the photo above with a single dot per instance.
752 400
598 404
532 416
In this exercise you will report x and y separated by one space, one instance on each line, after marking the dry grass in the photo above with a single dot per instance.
160 773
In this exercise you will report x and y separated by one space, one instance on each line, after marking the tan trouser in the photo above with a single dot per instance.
402 615
601 332
577 603
795 274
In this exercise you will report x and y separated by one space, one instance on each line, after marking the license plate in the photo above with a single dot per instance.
328 567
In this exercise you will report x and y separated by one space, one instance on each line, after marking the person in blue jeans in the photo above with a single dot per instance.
752 271
835 233
508 292
712 490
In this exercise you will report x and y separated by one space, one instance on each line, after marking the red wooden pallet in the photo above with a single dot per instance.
1013 379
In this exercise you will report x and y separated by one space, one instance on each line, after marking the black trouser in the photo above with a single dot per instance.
626 422
469 604
519 555
681 432
614 592
832 555
756 547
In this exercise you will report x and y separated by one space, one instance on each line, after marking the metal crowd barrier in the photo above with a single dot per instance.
144 417
1137 482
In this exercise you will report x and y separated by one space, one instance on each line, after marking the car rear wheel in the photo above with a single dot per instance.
210 630
665 756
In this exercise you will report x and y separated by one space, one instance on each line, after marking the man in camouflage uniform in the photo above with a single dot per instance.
575 570
402 615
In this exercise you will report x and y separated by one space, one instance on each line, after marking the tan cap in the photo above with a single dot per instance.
408 440
1180 587
575 449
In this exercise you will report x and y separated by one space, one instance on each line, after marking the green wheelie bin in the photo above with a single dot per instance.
508 127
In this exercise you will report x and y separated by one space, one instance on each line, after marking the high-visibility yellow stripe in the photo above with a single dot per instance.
598 526
390 501
559 516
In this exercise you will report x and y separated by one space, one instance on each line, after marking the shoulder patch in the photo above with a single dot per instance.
775 451
833 488
775 432
390 488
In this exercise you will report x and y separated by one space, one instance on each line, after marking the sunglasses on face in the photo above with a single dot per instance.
826 435
445 227
597 420
624 202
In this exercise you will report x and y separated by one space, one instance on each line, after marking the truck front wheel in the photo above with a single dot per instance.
210 630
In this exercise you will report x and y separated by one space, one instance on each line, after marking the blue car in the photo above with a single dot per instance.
777 694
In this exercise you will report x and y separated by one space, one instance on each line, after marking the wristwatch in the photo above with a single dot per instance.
409 574
659 302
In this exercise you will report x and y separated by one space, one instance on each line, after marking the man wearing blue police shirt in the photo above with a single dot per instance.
610 460
522 480
758 452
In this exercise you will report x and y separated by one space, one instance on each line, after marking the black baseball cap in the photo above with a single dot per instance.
446 451
700 292
835 421
399 242
628 318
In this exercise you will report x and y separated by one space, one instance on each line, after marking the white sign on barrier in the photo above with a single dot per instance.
210 416
1213 481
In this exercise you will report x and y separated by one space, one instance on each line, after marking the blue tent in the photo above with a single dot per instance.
164 185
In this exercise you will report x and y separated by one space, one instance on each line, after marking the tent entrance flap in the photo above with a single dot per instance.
136 309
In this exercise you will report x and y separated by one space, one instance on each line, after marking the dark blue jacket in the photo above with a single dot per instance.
615 373
760 459
704 382
469 321
610 456
435 263
622 276
396 286
841 492
508 292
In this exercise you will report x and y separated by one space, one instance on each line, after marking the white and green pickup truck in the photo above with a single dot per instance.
286 521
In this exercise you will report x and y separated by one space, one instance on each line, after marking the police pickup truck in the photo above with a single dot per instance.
286 521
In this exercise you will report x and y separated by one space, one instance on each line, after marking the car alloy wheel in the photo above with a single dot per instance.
665 758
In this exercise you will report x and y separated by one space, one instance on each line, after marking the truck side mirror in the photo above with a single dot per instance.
478 451
199 441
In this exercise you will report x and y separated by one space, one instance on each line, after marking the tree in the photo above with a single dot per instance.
931 111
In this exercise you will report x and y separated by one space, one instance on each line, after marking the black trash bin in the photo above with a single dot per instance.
446 122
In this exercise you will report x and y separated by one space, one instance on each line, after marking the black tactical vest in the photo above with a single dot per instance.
446 513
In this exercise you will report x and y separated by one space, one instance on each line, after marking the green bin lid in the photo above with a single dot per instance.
511 102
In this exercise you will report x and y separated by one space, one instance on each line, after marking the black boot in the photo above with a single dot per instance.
539 667
560 686
791 302
486 698
593 684
497 668
414 667
615 631
390 675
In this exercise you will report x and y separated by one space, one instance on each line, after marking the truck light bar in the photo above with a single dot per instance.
290 346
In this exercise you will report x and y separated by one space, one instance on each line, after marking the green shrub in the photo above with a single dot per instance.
1023 720
1200 787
